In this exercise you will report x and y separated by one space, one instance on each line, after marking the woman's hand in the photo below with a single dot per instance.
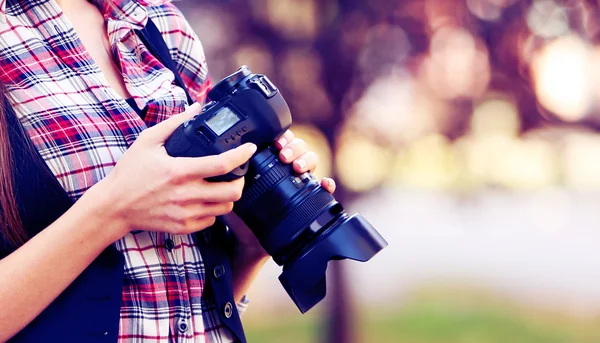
295 150
150 190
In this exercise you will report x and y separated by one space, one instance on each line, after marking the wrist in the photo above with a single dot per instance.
250 250
99 205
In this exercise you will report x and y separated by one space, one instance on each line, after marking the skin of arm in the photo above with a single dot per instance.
38 271
147 189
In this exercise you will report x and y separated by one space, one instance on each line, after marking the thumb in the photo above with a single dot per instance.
163 130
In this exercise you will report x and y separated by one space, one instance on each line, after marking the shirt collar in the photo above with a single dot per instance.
131 11
3 11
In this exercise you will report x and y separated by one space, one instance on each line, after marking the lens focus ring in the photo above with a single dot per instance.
262 184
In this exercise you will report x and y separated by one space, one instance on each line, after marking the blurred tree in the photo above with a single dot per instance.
324 54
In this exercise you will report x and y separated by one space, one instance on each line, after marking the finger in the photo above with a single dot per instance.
195 225
287 137
203 191
197 211
218 209
215 165
328 184
306 162
293 150
163 130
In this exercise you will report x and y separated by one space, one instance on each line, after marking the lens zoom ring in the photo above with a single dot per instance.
297 220
262 184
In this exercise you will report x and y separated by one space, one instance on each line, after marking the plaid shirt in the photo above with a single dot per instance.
81 127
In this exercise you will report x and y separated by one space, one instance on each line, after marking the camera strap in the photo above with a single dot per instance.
154 41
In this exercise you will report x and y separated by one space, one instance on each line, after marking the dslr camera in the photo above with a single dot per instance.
296 221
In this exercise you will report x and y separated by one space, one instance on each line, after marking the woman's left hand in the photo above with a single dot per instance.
295 150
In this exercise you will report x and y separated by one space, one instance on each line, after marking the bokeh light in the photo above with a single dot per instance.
495 116
387 110
457 66
548 19
428 163
361 164
495 155
386 48
255 55
485 9
467 131
582 161
296 19
563 77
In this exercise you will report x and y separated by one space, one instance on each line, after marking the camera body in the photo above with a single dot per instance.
230 119
296 221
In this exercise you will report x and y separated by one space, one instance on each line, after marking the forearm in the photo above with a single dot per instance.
246 263
36 273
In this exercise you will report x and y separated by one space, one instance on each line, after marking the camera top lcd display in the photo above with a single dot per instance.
222 121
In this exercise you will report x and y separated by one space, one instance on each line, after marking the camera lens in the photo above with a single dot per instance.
281 206
296 221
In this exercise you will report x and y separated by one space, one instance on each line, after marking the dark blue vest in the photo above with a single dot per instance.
88 310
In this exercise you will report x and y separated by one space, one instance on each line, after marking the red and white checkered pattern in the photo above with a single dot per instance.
81 127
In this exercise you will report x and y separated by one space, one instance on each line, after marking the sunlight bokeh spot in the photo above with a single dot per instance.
562 78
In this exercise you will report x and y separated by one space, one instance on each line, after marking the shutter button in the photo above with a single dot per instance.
169 244
218 271
228 310
182 326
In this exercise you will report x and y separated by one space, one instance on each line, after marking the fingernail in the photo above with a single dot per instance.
282 142
301 164
287 153
330 182
252 148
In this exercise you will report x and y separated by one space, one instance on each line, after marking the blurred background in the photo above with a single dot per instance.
466 131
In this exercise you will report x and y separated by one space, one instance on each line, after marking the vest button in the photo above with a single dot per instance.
218 271
169 244
228 310
182 326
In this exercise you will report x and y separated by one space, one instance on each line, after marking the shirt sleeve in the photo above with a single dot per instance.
242 306
185 47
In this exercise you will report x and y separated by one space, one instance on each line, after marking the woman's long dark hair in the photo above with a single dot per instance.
11 225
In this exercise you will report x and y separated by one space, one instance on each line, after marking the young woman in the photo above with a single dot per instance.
97 105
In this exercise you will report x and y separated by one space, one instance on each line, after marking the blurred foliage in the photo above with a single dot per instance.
443 317
433 94
439 95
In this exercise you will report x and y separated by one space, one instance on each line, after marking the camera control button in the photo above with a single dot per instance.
226 140
228 310
218 271
239 133
232 137
245 129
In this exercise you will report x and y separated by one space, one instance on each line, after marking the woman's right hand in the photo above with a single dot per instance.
150 190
